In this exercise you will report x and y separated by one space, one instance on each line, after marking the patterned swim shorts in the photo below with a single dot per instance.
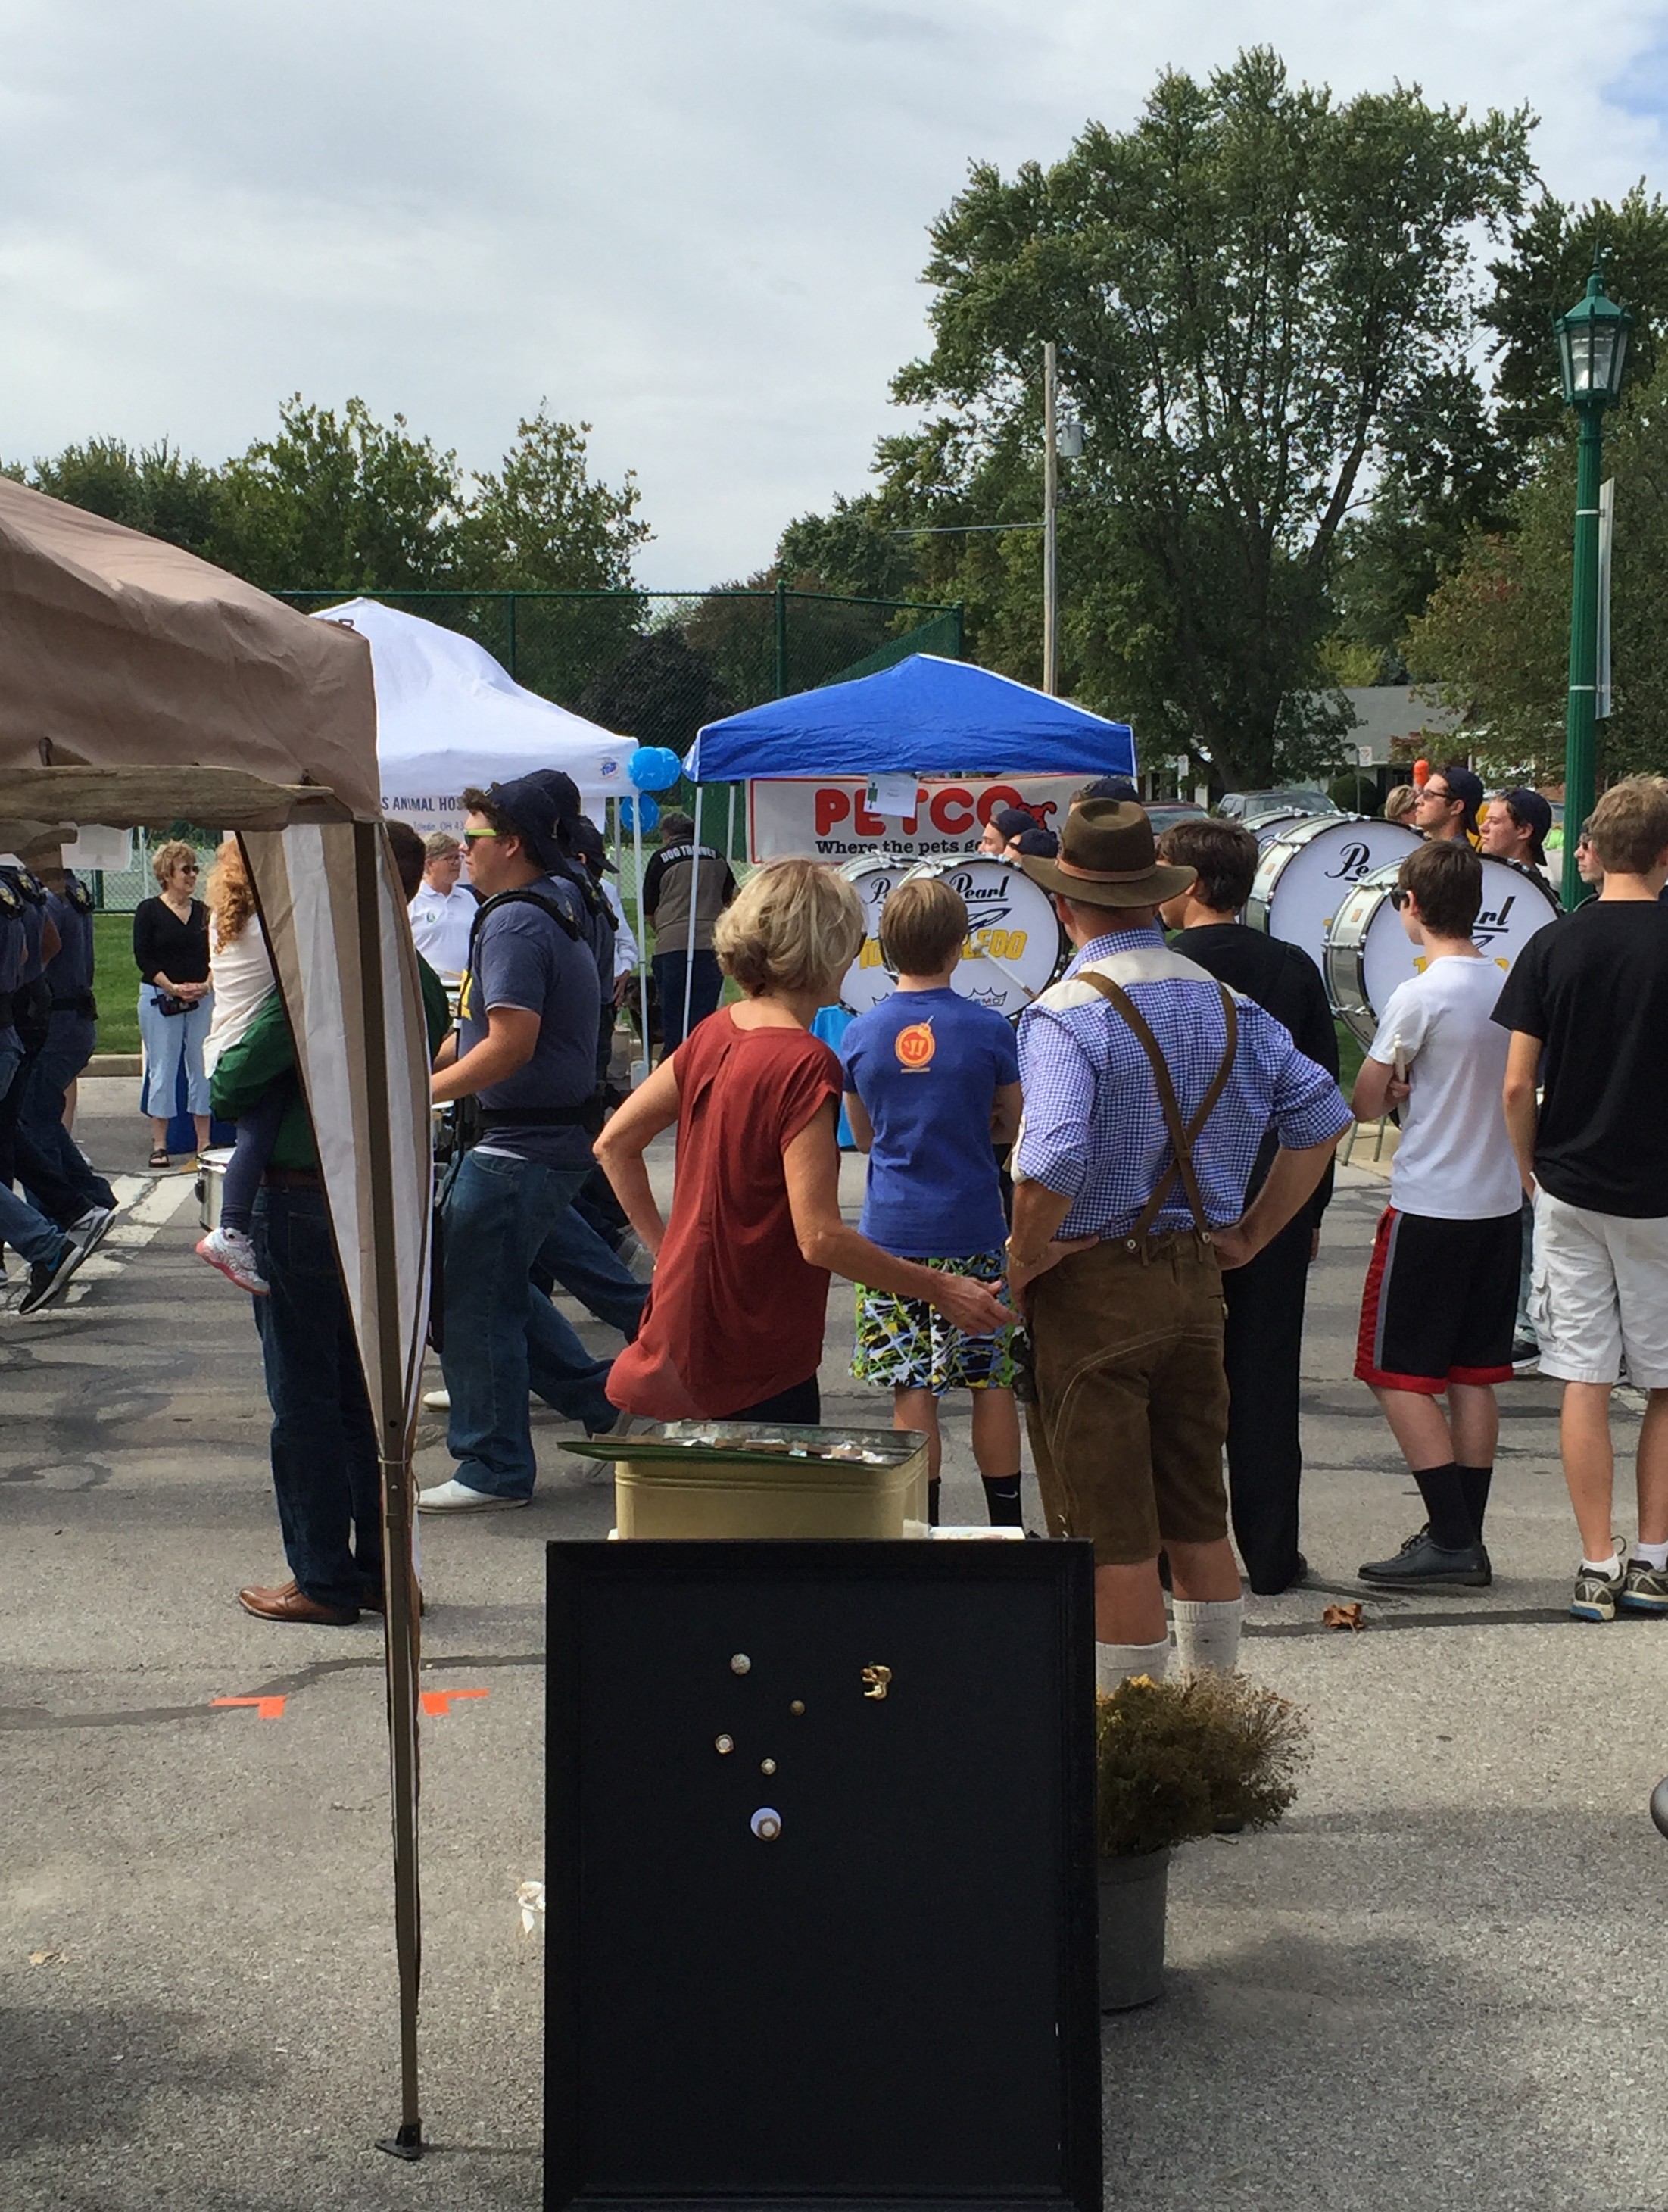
910 1345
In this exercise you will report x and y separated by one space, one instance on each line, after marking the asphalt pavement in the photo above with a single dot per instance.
1439 1975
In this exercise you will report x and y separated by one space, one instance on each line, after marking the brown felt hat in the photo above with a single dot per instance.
1107 858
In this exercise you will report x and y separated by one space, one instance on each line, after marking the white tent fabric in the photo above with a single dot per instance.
448 715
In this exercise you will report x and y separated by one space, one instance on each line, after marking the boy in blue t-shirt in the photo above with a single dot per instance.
931 1087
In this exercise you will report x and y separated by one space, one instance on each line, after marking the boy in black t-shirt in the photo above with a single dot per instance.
1588 1006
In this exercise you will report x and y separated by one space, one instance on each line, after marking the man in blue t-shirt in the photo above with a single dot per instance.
525 1051
931 1086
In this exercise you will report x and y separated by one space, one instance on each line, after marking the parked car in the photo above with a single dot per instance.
1165 813
1248 806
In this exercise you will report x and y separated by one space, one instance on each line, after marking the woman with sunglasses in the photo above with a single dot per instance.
171 946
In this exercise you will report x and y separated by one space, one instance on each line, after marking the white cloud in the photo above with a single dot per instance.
701 227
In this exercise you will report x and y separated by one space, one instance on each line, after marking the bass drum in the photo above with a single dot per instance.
1308 865
1015 946
1267 827
874 877
1369 953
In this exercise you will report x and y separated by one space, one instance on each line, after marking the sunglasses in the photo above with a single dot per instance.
475 837
186 868
1399 898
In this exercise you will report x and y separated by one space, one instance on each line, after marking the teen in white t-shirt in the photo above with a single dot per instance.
1441 1296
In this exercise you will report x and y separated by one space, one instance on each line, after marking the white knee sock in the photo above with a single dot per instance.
1208 1632
1116 1663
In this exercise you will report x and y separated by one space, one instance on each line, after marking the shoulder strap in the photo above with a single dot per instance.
525 896
1182 1135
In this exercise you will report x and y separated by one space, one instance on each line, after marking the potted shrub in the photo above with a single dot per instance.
1203 1754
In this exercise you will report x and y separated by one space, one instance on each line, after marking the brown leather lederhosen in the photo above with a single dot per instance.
1129 1405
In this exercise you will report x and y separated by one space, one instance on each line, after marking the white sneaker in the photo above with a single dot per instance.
233 1253
455 1497
438 1401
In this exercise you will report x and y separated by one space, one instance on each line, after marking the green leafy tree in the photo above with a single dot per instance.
340 503
542 523
1255 292
1495 641
154 489
1553 249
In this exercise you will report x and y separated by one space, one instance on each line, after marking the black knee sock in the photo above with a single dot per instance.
932 1489
1449 1516
1475 1481
1002 1501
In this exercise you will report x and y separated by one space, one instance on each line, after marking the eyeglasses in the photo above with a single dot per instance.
1433 791
474 836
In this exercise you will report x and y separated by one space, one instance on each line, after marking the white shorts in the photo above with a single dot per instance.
1599 1292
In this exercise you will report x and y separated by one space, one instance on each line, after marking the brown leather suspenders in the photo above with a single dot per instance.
1182 1134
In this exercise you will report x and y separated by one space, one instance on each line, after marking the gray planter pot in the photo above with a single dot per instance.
1132 1900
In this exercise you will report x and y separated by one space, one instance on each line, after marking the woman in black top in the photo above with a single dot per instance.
171 945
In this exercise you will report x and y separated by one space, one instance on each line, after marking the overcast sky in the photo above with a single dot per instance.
697 224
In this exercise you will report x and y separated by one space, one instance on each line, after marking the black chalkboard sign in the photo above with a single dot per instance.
820 1878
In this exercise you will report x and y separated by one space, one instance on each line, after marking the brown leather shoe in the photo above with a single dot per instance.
292 1604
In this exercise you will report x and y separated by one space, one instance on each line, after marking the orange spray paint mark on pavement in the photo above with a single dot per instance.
437 1704
267 1709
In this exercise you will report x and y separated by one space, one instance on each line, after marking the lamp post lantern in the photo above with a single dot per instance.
1592 347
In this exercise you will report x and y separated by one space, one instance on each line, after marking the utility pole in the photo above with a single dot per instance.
1051 501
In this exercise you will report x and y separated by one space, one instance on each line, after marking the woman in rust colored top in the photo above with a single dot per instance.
733 1327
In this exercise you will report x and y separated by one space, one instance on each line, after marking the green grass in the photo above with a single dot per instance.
1350 1054
116 982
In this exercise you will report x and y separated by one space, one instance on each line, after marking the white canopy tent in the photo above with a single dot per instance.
448 715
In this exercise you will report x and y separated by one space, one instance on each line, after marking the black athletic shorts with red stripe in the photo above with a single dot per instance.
1440 1301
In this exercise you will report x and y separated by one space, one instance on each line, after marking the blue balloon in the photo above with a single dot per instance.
654 768
633 810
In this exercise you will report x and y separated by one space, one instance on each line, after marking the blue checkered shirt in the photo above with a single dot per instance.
1093 1128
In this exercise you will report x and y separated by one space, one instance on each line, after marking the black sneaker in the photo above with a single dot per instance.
1423 1559
94 1226
50 1279
1526 1356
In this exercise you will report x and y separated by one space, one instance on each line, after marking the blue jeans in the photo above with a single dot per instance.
501 1335
168 1039
258 1133
68 1047
575 1256
324 1470
26 1230
705 989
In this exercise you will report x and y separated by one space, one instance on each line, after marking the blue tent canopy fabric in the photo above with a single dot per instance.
925 716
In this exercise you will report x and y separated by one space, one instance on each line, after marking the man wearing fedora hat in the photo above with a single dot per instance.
1149 1088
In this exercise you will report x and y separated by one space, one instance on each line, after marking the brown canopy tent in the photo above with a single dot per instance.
138 684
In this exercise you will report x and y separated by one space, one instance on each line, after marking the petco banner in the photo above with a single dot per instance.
833 820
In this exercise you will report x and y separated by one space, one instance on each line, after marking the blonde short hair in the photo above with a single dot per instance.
1629 827
793 925
1399 802
167 858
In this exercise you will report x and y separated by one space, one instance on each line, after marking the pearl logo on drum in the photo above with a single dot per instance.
1353 862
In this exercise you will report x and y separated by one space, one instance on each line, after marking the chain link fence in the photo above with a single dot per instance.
653 665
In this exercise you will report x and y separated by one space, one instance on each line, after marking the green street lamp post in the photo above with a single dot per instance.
1592 345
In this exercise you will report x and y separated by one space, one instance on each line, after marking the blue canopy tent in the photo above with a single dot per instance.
922 716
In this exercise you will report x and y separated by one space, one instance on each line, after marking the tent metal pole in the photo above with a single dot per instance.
694 900
401 1631
642 932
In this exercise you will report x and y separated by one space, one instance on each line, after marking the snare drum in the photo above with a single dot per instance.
1015 946
211 1184
1369 953
1308 867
